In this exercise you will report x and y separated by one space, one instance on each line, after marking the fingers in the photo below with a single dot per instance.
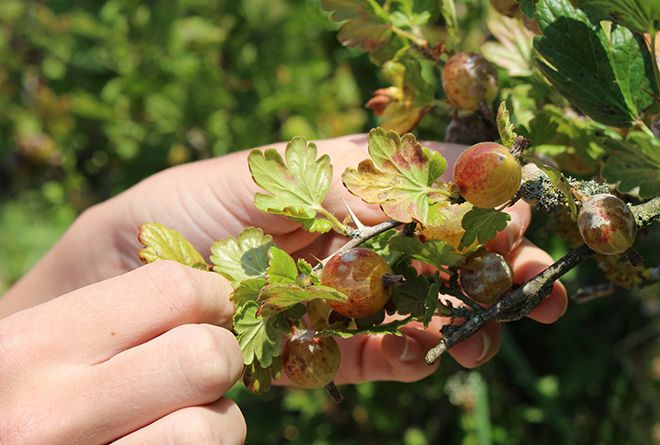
479 348
187 366
128 310
527 261
387 357
508 239
215 199
401 358
219 423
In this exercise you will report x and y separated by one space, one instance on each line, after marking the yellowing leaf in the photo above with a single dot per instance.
163 243
243 257
297 188
400 176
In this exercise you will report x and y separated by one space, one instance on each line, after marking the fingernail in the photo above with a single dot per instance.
411 350
514 231
485 345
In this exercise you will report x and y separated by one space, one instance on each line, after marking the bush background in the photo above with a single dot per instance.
96 95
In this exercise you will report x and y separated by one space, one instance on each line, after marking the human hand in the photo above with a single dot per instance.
213 199
137 359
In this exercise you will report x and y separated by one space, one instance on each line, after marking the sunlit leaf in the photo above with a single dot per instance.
242 257
400 176
163 243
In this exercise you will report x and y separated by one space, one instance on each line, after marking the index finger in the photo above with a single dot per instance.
128 310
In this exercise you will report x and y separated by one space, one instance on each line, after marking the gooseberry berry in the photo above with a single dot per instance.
358 274
607 224
487 175
485 276
310 361
468 79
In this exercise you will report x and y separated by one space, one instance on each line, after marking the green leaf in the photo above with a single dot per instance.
279 297
512 50
437 253
634 165
505 126
418 296
632 68
248 290
297 187
576 56
638 15
402 106
380 244
304 267
400 177
258 379
281 267
392 328
448 12
482 225
364 27
163 243
243 257
257 336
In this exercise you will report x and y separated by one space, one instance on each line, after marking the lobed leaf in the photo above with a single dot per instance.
418 296
400 176
281 267
364 24
278 297
242 257
437 253
634 165
391 328
297 187
512 49
505 127
258 379
258 337
482 225
598 73
638 15
164 243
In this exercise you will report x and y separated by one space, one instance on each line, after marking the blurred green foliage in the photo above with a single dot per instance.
96 95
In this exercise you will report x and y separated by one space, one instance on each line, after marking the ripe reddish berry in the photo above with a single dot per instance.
487 175
485 276
358 274
310 361
607 224
468 79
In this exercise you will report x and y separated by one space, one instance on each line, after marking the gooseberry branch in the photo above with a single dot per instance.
525 298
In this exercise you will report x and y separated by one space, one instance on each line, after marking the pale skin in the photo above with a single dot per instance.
97 349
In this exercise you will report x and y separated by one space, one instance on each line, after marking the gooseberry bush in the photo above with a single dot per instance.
561 106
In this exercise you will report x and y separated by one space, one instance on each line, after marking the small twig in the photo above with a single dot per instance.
334 393
539 286
596 291
647 213
359 237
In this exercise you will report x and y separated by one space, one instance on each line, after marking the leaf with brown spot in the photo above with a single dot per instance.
400 176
